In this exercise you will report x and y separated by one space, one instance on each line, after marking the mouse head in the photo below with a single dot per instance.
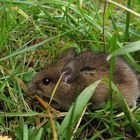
45 81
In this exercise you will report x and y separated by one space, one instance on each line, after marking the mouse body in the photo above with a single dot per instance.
79 71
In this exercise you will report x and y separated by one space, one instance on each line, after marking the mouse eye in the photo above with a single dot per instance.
46 81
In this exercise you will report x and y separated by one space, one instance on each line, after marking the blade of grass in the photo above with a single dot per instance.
128 112
111 70
21 12
25 114
115 26
123 7
49 109
127 22
104 19
25 132
76 110
55 88
38 135
131 47
97 134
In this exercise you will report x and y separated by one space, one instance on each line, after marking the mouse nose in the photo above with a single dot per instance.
32 88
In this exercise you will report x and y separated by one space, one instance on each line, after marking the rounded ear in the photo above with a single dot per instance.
70 52
71 70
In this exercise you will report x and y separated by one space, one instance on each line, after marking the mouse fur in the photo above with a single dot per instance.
79 71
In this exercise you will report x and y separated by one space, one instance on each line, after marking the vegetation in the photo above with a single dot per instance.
34 33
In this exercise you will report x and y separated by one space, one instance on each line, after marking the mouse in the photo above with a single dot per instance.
78 72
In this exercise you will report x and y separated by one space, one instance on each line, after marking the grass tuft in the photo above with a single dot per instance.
34 33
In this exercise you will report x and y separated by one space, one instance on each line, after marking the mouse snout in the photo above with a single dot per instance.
32 88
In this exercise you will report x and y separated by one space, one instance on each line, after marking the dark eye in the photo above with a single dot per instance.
46 81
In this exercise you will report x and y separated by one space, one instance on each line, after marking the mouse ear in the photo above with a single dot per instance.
70 52
71 70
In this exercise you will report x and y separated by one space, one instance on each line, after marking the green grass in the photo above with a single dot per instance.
34 33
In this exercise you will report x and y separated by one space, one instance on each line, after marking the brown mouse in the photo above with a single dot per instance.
79 71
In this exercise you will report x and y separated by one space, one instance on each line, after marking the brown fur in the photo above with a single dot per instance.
80 71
